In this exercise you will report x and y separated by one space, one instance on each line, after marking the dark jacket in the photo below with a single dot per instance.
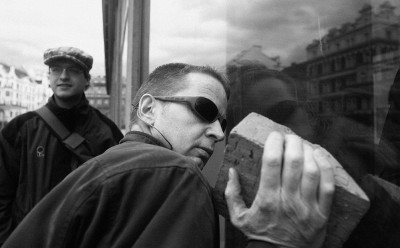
33 160
137 194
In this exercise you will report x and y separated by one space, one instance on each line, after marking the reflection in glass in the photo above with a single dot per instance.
326 69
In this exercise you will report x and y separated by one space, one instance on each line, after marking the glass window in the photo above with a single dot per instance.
341 56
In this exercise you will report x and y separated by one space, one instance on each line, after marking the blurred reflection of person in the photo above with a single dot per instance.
274 94
381 225
390 139
362 158
271 93
268 92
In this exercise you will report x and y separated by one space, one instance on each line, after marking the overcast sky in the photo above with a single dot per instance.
194 31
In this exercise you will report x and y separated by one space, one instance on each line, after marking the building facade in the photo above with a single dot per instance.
20 92
348 71
97 95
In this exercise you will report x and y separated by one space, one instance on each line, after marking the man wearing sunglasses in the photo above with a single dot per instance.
149 191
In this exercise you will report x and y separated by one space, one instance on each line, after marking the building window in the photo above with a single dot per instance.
366 37
313 88
351 104
364 104
326 87
338 85
388 34
337 106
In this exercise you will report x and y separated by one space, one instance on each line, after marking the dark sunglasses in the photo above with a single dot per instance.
201 106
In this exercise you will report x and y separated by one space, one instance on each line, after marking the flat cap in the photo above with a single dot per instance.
71 53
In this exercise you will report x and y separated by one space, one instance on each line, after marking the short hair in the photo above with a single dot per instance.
166 79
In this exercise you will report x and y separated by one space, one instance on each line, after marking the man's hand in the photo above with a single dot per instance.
294 198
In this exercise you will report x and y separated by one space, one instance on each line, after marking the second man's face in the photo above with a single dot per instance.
67 80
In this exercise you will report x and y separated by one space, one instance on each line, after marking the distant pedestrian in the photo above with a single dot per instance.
35 155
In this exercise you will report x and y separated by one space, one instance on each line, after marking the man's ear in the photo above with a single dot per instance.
146 109
87 85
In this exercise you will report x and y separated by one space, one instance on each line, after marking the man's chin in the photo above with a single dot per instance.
199 162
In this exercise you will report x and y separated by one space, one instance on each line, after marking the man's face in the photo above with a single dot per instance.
189 134
67 80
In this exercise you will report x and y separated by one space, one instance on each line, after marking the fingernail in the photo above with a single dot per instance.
319 152
230 173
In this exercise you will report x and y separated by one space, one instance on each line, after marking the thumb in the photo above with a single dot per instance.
234 200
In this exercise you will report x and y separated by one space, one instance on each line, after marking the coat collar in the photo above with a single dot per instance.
142 137
81 108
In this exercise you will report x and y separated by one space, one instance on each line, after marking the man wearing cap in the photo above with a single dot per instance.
33 157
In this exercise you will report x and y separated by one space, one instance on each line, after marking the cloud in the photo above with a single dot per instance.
282 27
195 31
28 28
188 31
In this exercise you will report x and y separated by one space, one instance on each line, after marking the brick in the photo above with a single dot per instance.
244 152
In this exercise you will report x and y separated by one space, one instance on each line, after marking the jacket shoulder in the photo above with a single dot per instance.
114 128
142 156
13 127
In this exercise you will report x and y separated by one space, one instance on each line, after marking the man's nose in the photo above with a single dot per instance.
215 130
64 73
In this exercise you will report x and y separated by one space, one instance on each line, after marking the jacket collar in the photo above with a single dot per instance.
142 137
81 108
